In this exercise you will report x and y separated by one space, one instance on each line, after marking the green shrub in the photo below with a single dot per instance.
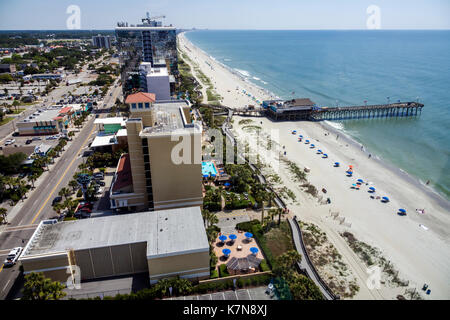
214 274
223 272
263 266
79 193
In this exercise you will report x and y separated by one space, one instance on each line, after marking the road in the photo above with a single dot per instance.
38 206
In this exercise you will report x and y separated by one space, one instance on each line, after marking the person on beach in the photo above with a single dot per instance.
370 156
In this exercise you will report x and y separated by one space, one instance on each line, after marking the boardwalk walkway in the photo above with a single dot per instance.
305 264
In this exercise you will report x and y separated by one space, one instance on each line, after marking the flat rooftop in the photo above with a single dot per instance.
112 120
167 232
169 118
43 115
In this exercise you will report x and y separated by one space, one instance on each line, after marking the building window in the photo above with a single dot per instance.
147 166
140 105
133 106
146 158
147 105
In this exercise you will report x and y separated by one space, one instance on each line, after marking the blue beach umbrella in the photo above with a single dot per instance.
248 235
226 184
319 151
336 164
223 238
325 155
349 172
312 145
254 250
402 210
360 180
300 136
385 199
226 251
306 141
232 237
372 189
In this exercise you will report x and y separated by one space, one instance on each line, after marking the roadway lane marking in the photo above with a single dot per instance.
6 285
1 268
62 177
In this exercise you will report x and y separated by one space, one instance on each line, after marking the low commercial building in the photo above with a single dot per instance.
165 244
44 76
43 122
7 68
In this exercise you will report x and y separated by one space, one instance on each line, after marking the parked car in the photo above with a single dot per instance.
99 191
36 138
99 175
100 183
12 257
56 200
88 204
28 141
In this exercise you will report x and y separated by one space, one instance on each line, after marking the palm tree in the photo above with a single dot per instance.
3 213
32 178
51 154
281 212
73 184
64 192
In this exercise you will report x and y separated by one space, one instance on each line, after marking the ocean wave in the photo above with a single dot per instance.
226 59
336 125
243 72
256 78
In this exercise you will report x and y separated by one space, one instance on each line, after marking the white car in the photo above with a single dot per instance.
10 141
99 191
12 257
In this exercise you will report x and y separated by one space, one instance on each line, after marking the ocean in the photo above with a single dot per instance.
348 67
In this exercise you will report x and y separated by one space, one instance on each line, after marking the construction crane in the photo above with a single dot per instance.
149 19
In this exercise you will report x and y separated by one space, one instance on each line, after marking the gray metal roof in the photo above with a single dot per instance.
167 232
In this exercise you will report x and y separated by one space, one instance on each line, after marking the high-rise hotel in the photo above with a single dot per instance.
146 42
164 156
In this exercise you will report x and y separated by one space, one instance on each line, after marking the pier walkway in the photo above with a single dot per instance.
400 109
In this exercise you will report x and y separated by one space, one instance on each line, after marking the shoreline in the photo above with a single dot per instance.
439 197
417 244
402 174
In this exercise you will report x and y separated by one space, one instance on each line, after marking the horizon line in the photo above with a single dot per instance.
214 29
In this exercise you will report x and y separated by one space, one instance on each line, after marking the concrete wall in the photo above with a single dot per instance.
160 86
112 260
175 185
137 160
193 266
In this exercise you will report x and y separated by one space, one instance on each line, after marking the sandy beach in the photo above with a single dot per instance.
417 244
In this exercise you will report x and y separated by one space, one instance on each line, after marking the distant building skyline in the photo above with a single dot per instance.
232 14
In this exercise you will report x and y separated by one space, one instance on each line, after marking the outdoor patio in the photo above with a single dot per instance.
240 242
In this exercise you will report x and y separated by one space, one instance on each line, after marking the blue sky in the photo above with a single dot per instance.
228 14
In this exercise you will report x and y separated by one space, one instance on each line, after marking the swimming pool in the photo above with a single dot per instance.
208 168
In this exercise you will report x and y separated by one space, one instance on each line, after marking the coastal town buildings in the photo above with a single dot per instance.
165 243
100 41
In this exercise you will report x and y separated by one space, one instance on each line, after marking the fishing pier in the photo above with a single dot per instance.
305 109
